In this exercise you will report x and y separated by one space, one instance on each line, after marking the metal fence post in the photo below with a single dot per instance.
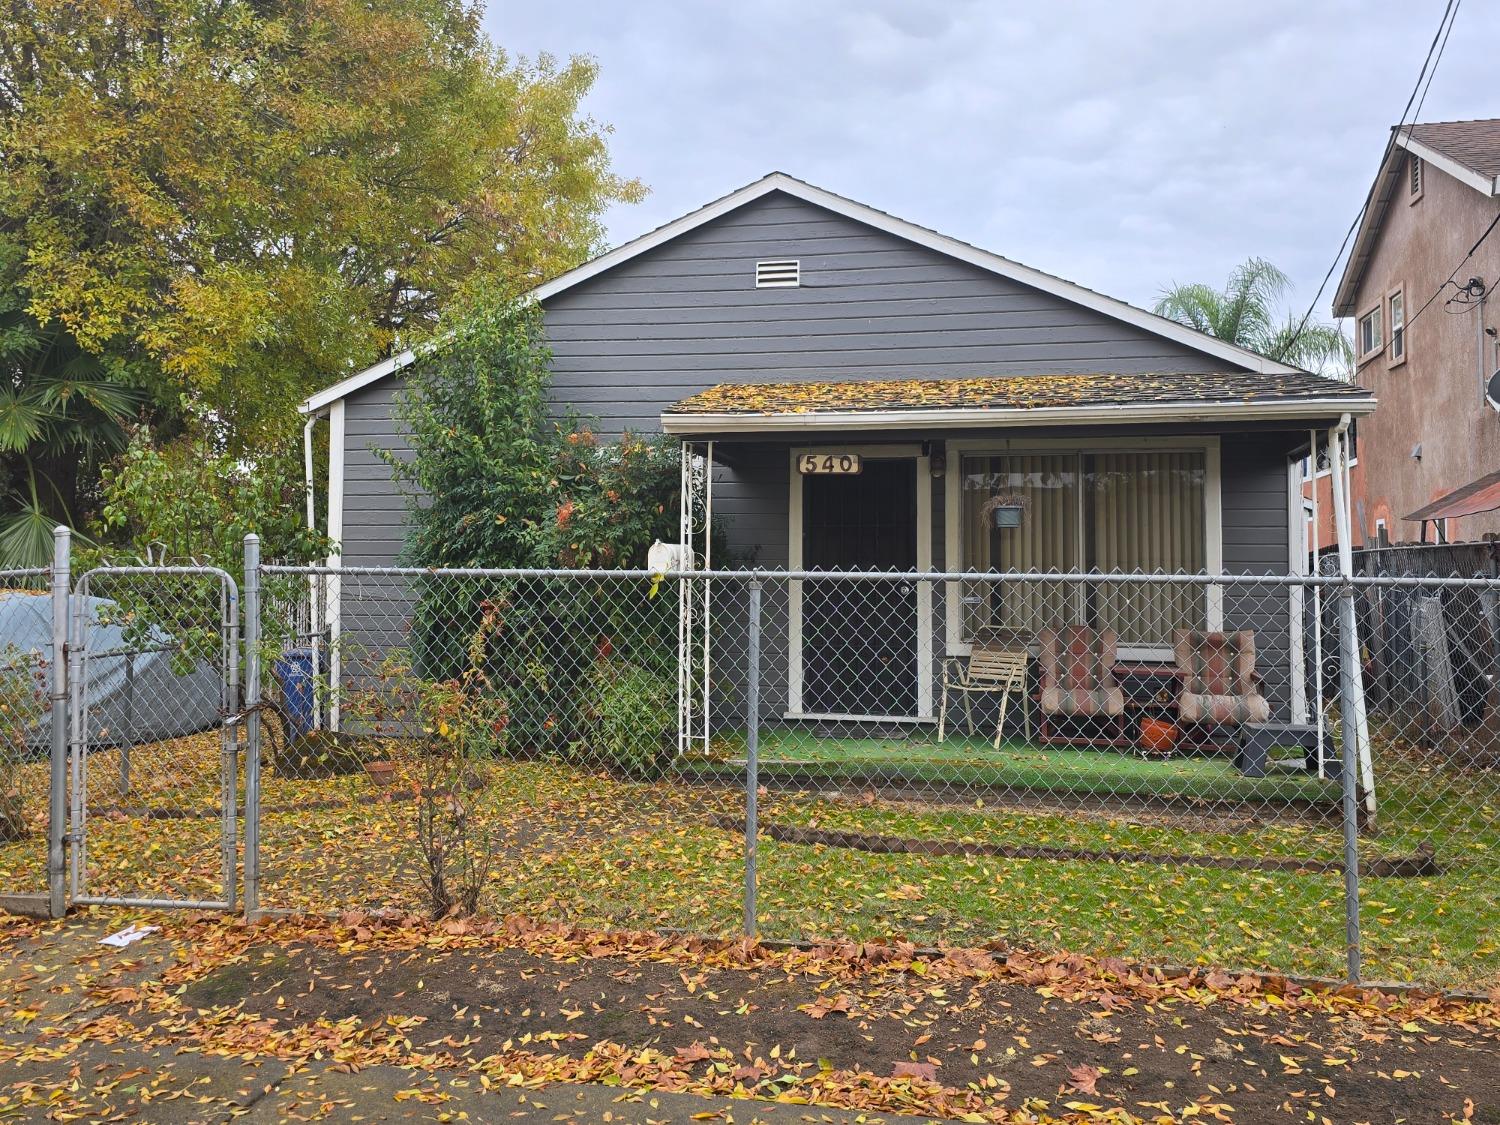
752 753
1348 669
57 803
252 724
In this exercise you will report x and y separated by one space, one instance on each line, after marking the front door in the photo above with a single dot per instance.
859 636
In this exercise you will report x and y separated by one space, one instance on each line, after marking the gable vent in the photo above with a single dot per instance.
779 273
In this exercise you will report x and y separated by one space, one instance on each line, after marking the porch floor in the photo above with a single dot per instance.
801 756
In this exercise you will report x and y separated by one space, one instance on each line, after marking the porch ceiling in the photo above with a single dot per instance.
1014 400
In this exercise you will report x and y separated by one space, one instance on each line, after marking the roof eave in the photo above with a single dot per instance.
985 418
1387 178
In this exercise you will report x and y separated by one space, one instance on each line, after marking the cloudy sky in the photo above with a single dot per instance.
1121 145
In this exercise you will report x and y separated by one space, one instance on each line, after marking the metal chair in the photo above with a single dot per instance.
988 671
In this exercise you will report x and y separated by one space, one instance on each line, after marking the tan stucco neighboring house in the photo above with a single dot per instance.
1421 292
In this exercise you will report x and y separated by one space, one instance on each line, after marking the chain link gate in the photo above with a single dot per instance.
154 683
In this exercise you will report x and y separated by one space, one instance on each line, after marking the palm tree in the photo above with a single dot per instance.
61 415
1244 312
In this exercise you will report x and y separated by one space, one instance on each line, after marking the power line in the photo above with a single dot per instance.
1439 41
1438 61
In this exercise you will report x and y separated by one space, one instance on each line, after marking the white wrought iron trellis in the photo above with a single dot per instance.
694 600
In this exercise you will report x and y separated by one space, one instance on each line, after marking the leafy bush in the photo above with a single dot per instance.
320 754
496 481
634 712
190 501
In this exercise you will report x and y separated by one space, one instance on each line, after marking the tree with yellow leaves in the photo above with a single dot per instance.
225 204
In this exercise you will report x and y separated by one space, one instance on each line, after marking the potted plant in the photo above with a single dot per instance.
1004 510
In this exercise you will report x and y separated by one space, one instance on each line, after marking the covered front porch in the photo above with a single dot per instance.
917 540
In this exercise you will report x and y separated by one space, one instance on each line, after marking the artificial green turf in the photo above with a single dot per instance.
802 757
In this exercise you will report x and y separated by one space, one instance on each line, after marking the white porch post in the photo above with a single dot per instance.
695 504
708 563
1352 680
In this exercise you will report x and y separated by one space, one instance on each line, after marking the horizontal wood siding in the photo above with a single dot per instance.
374 508
1254 493
686 316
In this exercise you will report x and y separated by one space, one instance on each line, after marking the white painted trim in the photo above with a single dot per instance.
1213 515
870 216
924 589
1213 531
1383 195
794 586
345 387
923 467
970 417
334 603
1296 545
1486 185
813 716
336 481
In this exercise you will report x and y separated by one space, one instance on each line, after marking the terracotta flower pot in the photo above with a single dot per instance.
381 772
1159 736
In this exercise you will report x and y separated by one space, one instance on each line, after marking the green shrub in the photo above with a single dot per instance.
496 481
321 754
634 713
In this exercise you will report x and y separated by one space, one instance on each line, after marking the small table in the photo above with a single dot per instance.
1149 689
1256 740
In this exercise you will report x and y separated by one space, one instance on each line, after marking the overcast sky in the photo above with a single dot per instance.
1121 145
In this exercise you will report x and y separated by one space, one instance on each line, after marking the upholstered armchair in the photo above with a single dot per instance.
1078 681
1218 679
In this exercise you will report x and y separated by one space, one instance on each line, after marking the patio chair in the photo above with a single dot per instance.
1078 682
988 671
1218 679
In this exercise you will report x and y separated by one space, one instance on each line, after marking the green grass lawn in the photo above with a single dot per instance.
799 756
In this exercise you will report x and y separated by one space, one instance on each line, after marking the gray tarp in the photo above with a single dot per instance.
134 696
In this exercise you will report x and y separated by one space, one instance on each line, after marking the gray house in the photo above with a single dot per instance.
856 391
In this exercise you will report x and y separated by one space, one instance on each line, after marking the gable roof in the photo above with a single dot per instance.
1469 151
1105 397
1473 145
870 216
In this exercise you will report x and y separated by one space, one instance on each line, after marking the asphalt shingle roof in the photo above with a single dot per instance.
1014 392
1474 144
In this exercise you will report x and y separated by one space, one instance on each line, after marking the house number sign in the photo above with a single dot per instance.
835 464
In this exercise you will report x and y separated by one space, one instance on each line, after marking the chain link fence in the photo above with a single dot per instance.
1176 768
25 729
154 779
492 738
1150 766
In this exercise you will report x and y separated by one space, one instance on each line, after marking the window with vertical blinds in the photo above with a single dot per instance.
1111 511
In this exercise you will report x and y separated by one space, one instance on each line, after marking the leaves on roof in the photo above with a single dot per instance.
1029 392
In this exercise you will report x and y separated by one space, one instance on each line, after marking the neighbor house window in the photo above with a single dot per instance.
1116 511
1370 336
1398 326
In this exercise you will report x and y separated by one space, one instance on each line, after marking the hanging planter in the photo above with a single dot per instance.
1004 511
